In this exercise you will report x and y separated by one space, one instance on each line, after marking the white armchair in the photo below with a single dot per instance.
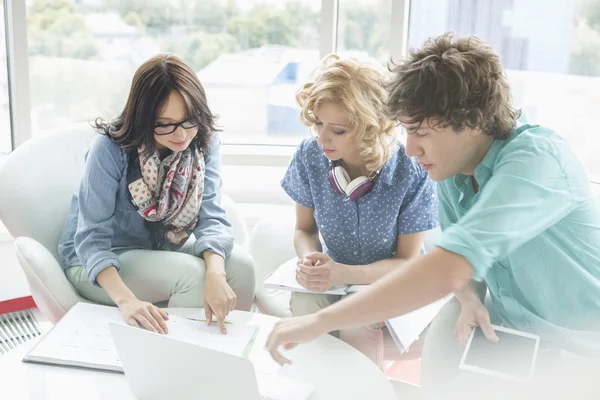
37 182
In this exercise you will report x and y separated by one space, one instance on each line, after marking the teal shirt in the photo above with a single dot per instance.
532 232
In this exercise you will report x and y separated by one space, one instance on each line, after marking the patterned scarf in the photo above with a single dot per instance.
170 192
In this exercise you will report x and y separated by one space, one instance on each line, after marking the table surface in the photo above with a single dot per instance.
337 370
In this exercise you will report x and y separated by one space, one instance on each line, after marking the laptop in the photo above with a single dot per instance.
158 367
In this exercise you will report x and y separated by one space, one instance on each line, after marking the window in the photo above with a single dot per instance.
5 127
364 27
551 54
250 55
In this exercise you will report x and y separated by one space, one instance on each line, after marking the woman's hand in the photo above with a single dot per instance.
317 272
143 314
219 298
135 312
289 332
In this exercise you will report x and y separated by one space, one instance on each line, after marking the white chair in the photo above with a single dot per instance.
271 244
37 182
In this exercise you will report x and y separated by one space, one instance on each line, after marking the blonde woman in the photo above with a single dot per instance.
362 205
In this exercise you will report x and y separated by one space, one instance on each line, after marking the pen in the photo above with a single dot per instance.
199 320
203 320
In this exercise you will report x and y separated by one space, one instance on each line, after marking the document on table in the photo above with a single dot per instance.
82 338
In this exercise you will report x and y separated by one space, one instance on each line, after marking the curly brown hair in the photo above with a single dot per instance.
456 81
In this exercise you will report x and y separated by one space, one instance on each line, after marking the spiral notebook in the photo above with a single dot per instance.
82 338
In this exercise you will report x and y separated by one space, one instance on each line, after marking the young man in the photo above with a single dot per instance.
516 211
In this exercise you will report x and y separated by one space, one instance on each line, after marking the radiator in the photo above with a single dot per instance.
16 328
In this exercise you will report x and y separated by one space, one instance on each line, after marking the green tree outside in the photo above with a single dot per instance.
56 30
585 48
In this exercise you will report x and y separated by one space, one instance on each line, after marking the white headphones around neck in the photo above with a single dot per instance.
354 189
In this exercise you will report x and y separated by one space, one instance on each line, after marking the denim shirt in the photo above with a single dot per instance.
532 232
402 202
102 217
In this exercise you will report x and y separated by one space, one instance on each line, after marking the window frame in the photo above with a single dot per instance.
18 82
233 154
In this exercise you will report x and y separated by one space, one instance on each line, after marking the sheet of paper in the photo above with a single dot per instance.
82 337
259 356
284 278
407 328
199 333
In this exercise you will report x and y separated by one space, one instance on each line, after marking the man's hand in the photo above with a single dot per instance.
317 272
289 332
472 314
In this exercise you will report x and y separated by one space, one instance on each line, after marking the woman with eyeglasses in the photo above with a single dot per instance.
146 226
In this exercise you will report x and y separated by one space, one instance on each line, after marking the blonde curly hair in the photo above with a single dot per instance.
359 87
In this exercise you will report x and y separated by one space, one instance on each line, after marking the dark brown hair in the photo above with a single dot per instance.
152 83
458 81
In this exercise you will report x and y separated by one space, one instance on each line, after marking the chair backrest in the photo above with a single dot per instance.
38 180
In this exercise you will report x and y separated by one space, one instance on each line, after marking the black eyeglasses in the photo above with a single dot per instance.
167 129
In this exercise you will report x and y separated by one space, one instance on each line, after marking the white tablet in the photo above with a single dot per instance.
512 357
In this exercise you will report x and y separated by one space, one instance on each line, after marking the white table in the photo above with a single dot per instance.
336 369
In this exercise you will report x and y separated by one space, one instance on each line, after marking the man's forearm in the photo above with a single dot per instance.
422 281
471 291
306 242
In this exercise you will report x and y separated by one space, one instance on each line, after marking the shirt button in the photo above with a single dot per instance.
504 293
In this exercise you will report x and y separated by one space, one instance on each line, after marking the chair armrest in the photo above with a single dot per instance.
52 292
271 244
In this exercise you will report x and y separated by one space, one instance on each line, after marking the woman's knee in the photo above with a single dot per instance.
309 303
190 273
77 276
